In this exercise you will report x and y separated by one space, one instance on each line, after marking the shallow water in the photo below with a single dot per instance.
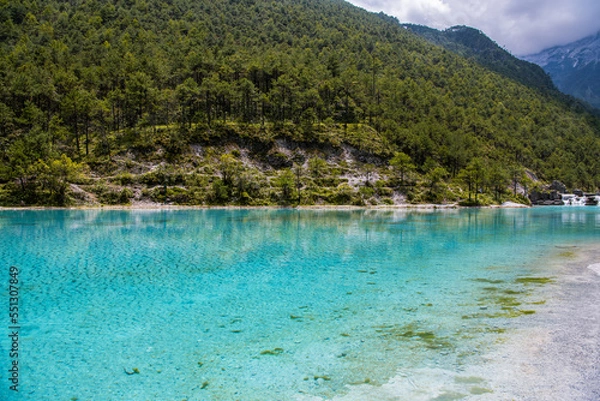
269 304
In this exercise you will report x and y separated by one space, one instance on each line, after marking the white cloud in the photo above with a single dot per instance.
522 26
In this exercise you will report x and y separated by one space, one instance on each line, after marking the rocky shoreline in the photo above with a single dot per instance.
160 206
556 195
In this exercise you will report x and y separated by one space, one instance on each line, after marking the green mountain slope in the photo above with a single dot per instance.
474 44
260 102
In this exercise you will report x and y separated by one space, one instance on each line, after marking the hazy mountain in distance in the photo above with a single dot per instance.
574 68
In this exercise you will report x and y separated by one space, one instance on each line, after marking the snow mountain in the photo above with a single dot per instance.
574 68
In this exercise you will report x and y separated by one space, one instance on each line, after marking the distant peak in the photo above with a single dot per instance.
463 28
574 67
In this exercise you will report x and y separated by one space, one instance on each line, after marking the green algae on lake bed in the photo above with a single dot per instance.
414 332
534 280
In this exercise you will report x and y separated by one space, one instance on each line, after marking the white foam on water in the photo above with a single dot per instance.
595 267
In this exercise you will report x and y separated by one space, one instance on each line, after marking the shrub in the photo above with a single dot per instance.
124 179
112 196
387 201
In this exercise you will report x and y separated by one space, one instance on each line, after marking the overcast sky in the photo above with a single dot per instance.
521 26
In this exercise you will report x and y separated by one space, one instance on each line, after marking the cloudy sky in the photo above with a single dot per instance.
521 26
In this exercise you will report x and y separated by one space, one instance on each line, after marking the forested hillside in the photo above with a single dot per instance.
474 44
263 102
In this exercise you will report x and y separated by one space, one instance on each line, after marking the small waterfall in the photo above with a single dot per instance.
585 200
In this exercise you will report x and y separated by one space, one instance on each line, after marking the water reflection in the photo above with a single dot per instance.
285 294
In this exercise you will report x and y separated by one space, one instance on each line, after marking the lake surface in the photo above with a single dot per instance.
269 304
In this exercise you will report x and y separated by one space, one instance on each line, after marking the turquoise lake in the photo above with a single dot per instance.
268 304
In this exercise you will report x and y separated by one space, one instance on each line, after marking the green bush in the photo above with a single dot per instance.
9 196
124 179
366 192
176 195
344 195
219 192
482 200
387 201
112 196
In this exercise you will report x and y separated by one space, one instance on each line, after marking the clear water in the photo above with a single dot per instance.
266 304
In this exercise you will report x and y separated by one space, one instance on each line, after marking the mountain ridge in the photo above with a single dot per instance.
574 67
473 43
